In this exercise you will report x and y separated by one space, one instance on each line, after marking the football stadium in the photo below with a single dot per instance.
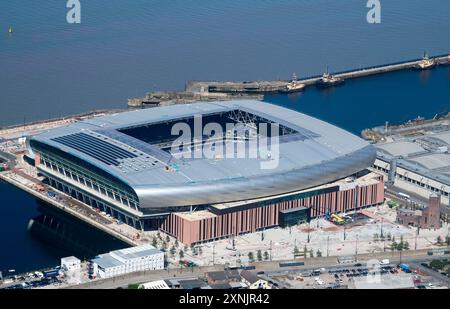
265 166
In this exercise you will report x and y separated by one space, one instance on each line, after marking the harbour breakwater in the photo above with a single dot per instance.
235 90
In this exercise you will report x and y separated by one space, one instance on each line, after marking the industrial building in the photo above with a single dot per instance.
125 261
71 268
126 165
427 218
416 158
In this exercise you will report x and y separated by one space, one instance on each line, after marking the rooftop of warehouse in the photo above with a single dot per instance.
426 152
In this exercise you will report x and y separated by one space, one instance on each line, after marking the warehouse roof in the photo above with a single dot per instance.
433 161
402 148
118 257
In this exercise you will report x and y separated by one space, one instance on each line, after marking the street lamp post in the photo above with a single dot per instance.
270 249
328 246
415 241
309 227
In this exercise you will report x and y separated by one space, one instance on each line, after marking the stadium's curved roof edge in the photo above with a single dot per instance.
330 154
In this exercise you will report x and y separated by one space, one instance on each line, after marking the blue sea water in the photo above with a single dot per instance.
19 250
123 49
368 102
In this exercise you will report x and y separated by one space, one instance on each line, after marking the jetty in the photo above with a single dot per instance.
235 90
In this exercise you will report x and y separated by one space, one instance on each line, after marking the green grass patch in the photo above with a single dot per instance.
133 286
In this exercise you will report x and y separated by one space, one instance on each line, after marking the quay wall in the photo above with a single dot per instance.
66 209
196 90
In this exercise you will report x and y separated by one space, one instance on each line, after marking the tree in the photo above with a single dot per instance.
296 251
393 246
439 240
437 264
319 253
172 251
266 255
259 255
181 254
405 245
447 240
305 252
251 257
375 237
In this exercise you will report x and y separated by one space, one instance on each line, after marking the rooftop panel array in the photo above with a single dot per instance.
103 151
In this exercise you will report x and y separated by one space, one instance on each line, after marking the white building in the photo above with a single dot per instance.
252 281
71 268
155 285
70 263
128 260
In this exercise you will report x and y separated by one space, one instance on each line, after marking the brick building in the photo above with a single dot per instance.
428 218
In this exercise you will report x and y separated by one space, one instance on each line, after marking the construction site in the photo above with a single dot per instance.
373 230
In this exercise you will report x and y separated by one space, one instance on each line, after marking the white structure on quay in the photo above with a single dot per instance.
71 267
128 260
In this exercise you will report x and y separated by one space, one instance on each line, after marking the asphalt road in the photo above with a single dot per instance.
436 275
418 256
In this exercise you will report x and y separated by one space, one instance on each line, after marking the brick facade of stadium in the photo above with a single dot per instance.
249 218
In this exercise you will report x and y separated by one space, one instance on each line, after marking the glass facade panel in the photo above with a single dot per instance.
84 173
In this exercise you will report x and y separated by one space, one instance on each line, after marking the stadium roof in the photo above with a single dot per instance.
315 153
